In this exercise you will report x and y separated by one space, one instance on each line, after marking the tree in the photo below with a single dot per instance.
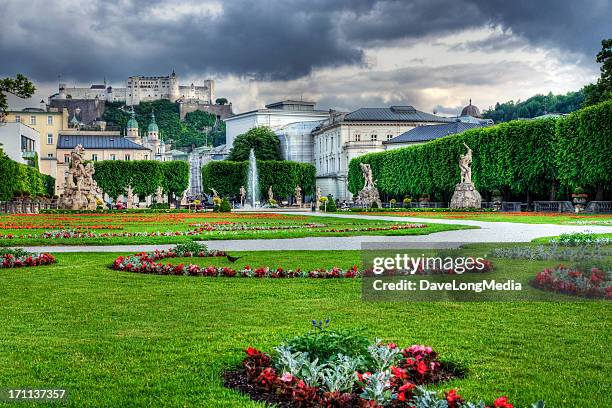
175 178
221 101
262 139
602 89
20 86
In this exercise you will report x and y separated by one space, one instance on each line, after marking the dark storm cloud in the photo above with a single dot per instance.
278 40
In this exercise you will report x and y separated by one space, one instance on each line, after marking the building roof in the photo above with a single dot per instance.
431 132
98 86
153 126
471 110
393 114
94 141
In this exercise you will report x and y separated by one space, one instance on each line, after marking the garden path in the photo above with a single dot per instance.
488 232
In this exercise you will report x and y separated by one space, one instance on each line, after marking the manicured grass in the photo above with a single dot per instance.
125 339
25 229
522 217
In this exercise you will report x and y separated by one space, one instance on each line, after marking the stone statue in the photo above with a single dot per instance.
318 198
129 193
215 194
298 196
270 194
369 193
242 195
466 195
159 196
366 170
465 162
81 192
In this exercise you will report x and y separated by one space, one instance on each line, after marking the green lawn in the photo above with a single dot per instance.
125 339
26 229
522 217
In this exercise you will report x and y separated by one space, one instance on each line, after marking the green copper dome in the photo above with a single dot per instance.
132 124
153 126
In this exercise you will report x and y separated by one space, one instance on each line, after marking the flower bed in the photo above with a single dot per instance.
341 368
72 234
16 258
595 283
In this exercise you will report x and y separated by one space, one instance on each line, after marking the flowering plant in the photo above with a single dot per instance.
382 376
595 283
19 259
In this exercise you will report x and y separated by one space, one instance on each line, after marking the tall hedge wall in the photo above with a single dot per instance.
584 154
17 179
114 176
227 176
515 156
518 157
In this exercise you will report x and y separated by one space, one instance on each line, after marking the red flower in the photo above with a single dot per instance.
251 351
502 402
421 368
453 399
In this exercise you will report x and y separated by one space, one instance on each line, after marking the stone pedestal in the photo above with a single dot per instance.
367 196
466 196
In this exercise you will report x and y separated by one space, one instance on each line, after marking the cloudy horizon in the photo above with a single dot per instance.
435 55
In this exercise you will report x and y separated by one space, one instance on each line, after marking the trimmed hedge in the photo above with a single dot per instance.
584 153
114 176
17 179
519 157
227 176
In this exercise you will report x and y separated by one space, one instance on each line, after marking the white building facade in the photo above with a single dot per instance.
343 137
291 120
20 142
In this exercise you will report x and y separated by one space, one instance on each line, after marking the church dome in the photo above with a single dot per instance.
471 110
153 126
132 124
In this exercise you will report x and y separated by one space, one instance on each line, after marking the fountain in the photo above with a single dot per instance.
253 192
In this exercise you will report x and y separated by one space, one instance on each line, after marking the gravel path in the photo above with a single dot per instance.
488 232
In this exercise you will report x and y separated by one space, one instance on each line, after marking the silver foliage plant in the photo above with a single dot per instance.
383 356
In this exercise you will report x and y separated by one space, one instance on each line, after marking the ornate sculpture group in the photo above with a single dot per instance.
369 193
466 195
81 192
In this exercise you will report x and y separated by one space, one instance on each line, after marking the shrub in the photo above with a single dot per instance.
374 204
331 204
225 206
17 179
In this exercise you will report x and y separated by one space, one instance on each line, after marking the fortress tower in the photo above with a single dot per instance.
174 87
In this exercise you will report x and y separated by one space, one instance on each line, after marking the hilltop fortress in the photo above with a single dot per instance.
143 89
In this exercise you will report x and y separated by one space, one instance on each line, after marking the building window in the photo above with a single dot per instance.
49 120
374 138
17 118
66 158
32 120
127 157
113 157
27 144
49 138
358 138
50 155
94 157
389 137
146 157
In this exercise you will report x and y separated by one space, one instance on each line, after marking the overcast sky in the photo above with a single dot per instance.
344 54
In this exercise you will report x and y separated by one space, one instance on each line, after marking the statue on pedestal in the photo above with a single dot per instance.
159 196
270 194
242 195
129 193
81 192
215 194
298 196
466 195
369 193
318 198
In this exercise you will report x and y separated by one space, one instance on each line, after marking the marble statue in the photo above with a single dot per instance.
129 194
81 192
318 198
298 196
270 194
215 194
159 195
369 193
242 195
466 195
